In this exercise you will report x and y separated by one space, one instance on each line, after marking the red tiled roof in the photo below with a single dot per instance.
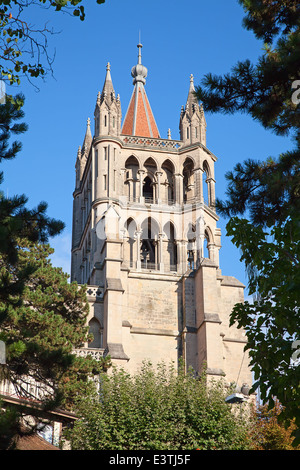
139 119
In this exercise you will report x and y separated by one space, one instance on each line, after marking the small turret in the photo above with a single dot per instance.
88 138
192 124
108 109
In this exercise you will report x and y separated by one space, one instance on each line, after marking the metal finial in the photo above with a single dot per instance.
140 53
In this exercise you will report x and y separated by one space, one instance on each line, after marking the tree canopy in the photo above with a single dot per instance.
42 316
157 408
41 325
263 198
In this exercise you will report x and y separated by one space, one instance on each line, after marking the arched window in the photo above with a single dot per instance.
188 180
205 247
129 251
167 181
149 182
131 177
96 330
171 247
148 188
206 183
148 251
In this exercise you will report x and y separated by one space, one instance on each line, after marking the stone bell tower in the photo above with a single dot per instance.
146 239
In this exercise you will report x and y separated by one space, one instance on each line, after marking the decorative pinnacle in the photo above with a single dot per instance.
192 88
139 72
108 66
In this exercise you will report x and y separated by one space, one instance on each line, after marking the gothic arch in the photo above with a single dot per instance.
149 189
167 180
150 162
207 184
96 330
169 228
208 243
152 225
168 163
206 168
149 248
188 160
132 167
130 227
209 234
129 252
170 254
188 179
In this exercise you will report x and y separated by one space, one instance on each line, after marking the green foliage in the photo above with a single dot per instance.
268 194
157 409
271 322
9 427
24 46
42 316
268 191
262 90
40 327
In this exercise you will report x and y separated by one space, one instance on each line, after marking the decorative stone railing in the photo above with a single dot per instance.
96 353
94 291
149 142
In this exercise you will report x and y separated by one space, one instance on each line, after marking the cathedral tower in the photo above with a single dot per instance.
146 240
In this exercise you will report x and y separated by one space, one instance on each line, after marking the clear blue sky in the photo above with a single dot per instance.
179 38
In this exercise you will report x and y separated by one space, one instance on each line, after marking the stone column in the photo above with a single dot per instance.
198 185
130 189
160 252
138 234
141 172
211 191
158 191
183 257
200 238
178 188
179 256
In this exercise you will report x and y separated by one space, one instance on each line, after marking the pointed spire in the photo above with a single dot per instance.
192 122
139 119
87 139
108 91
192 101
